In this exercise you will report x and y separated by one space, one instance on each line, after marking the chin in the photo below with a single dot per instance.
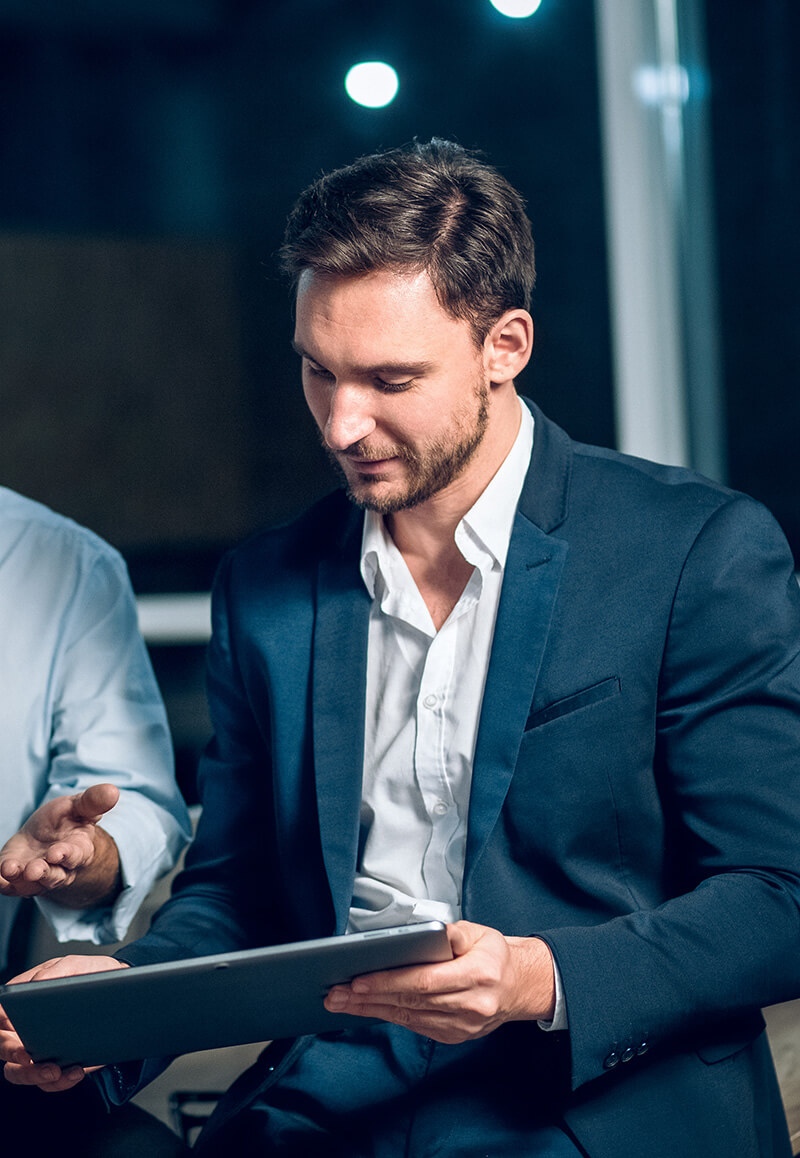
384 502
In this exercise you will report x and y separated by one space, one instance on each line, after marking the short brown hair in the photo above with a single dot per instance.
432 206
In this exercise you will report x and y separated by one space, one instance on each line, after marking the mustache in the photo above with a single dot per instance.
356 454
361 452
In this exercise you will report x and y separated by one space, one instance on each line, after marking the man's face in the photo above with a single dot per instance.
396 385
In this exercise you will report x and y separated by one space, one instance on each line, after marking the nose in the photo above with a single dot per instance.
349 418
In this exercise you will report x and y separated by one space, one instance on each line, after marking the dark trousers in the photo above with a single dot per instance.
382 1092
76 1124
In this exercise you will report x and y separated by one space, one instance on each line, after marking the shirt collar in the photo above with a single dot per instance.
483 534
487 524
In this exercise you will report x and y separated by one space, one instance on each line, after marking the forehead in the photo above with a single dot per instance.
393 309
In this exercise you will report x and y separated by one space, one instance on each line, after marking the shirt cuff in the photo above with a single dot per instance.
560 1012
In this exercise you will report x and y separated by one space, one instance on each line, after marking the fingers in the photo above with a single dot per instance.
69 854
20 1069
74 965
463 935
48 1076
471 966
11 1048
451 1001
95 801
12 1051
434 993
418 986
447 1019
28 871
8 869
31 974
57 840
420 997
38 875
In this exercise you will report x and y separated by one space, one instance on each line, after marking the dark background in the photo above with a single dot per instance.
149 153
754 52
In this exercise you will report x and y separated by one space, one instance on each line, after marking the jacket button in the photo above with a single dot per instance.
628 1054
611 1060
643 1048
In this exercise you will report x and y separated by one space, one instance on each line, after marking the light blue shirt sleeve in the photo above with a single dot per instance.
110 725
81 706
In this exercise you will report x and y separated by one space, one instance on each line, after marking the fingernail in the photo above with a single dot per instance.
336 1000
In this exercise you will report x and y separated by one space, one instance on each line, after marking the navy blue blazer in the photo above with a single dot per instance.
635 792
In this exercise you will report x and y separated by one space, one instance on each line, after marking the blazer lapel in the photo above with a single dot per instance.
530 587
339 679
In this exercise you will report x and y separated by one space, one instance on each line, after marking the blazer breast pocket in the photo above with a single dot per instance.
583 699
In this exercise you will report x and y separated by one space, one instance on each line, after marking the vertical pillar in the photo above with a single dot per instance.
667 403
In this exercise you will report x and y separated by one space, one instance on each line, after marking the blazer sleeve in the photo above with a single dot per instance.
727 754
221 901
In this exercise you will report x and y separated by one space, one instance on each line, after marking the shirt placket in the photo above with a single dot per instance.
431 753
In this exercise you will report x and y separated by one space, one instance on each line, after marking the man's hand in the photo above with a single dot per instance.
61 851
492 979
20 1069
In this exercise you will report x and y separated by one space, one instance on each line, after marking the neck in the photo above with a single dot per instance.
425 534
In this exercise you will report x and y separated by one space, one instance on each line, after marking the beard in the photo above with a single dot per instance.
429 469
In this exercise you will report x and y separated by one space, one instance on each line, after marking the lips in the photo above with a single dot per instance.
367 465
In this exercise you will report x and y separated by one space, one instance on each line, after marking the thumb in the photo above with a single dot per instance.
94 801
462 936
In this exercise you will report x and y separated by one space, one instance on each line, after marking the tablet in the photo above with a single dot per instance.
224 999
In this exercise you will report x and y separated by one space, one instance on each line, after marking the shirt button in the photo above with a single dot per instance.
430 701
440 808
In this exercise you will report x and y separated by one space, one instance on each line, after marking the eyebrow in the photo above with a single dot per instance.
412 369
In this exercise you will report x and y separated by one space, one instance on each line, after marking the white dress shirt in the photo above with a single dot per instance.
424 695
79 705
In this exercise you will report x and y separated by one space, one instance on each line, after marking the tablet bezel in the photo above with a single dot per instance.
206 1002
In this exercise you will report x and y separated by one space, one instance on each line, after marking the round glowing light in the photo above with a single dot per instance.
372 84
516 8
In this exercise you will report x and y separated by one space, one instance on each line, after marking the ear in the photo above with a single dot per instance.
508 346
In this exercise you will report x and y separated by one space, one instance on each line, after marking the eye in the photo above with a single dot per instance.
394 387
317 371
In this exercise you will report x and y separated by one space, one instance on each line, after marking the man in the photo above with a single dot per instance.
86 771
83 735
543 691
